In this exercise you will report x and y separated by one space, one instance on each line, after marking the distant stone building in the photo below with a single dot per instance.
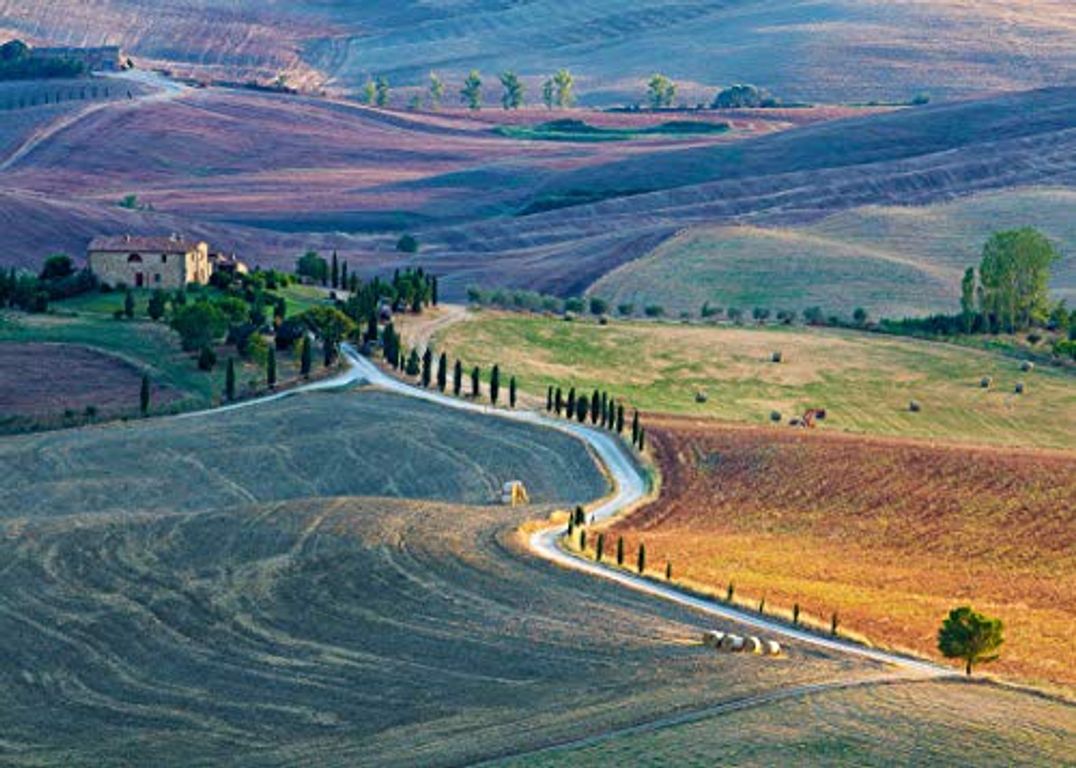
103 59
228 263
149 262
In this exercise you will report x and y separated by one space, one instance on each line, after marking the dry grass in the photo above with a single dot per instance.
890 534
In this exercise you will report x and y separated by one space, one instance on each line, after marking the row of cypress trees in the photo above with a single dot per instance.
430 372
600 407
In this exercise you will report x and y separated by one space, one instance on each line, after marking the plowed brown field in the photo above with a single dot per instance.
891 534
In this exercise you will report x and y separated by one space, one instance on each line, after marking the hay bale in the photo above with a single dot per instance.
776 357
711 638
914 406
772 648
701 397
1027 366
1019 388
731 643
775 416
985 382
753 645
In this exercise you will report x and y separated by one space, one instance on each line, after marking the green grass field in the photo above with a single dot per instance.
579 131
887 725
865 381
895 262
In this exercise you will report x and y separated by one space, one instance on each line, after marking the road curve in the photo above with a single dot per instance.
629 488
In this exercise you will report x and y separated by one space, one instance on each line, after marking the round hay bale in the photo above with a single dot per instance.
712 638
731 643
701 397
985 382
914 406
753 645
1019 388
773 648
1027 366
603 320
775 416
776 357
569 317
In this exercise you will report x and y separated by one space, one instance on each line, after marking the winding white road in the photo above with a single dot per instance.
630 488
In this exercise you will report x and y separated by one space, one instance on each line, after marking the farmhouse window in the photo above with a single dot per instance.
157 277
164 258
134 258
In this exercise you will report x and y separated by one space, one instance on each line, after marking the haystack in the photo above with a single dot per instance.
732 643
1027 366
712 638
772 647
753 645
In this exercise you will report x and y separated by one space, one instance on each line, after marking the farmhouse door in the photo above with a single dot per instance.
138 279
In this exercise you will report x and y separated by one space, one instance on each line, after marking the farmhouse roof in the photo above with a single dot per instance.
124 243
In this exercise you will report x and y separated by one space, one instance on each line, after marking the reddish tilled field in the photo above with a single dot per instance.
890 534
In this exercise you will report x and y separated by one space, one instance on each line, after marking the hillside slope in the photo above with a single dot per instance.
945 46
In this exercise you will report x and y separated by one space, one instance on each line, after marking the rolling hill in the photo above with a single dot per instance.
946 47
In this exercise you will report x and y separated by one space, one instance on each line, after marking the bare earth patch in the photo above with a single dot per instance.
46 379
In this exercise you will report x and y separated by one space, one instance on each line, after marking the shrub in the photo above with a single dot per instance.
407 244
985 382
775 416
598 306
199 325
654 310
207 358
574 305
626 309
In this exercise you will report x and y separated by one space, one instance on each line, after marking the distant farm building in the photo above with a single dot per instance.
228 263
149 262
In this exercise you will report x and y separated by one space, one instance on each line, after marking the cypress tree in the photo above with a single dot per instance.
730 592
433 290
329 349
595 407
762 605
549 399
635 428
475 383
427 367
580 515
796 613
642 439
270 368
457 378
571 525
442 372
604 412
229 379
143 395
495 384
620 419
558 402
571 403
600 549
833 624
668 571
335 272
620 550
581 409
642 557
414 364
371 327
129 304
343 276
583 539
608 410
512 392
306 358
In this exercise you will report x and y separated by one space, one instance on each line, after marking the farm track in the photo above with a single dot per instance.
630 489
167 90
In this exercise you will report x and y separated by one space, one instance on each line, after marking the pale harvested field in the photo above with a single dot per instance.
213 590
895 262
889 534
865 381
889 725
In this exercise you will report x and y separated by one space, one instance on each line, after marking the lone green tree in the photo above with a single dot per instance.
660 92
381 92
1014 273
436 90
495 384
970 636
143 396
512 98
471 93
563 83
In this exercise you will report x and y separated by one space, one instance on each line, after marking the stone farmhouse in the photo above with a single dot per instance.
149 262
